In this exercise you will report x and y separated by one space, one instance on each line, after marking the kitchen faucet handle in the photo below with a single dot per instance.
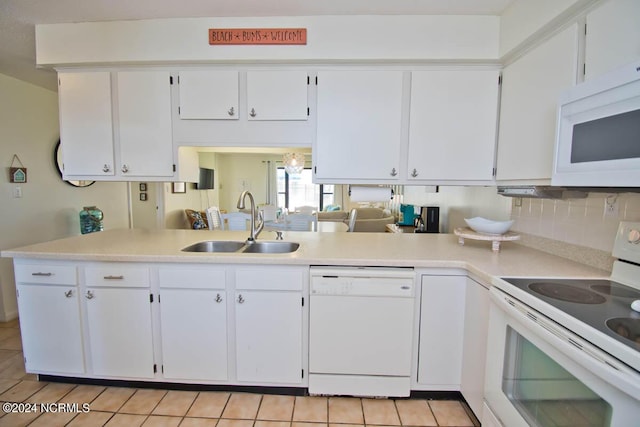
279 235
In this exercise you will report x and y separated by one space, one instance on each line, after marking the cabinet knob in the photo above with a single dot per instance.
218 298
231 111
69 293
89 295
414 173
253 112
125 168
393 172
240 299
106 168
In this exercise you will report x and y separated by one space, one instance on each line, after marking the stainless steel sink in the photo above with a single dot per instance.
214 246
271 247
243 247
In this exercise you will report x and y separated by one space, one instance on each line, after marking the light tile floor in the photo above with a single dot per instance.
121 406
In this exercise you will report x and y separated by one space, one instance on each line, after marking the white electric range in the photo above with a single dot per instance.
567 351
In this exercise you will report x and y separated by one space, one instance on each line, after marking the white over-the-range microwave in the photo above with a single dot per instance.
598 132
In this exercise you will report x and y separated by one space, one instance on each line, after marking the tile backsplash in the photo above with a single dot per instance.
577 221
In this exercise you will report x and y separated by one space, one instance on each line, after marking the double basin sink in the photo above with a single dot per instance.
243 247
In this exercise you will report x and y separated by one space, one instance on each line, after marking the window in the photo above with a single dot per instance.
299 190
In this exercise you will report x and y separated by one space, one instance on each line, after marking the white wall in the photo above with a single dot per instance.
373 37
524 17
579 221
49 207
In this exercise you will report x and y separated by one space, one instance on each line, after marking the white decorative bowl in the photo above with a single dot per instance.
487 226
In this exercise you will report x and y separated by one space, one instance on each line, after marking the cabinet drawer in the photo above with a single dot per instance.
44 273
195 277
278 278
117 275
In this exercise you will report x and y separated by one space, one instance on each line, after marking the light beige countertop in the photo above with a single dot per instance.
349 249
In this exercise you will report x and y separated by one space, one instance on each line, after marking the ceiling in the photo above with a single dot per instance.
19 17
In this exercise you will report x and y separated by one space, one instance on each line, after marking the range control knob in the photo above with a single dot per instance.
633 236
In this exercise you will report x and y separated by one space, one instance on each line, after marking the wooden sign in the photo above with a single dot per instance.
256 36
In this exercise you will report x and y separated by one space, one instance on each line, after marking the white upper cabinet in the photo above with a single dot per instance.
613 36
247 108
120 132
277 95
359 126
452 125
209 95
530 89
85 123
144 115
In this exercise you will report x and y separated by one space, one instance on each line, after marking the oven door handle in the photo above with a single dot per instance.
587 355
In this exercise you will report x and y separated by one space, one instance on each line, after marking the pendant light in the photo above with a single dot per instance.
293 162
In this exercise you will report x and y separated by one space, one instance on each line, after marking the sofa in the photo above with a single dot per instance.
367 219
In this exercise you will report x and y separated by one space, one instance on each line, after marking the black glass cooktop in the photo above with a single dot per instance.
602 304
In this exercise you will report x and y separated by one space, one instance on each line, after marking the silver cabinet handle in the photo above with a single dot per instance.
231 111
393 172
218 298
106 168
414 173
89 295
42 274
113 277
240 299
125 168
253 112
69 293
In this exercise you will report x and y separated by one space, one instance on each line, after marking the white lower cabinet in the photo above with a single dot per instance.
193 323
50 328
441 332
476 324
268 324
269 336
120 335
118 308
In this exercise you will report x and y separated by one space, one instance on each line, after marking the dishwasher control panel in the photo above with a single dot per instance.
375 282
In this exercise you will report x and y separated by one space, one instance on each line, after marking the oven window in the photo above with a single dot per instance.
544 392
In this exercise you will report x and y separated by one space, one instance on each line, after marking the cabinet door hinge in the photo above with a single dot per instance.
307 111
303 373
493 172
155 368
316 80
308 79
499 80
585 29
178 110
170 80
151 298
584 69
174 167
315 169
303 301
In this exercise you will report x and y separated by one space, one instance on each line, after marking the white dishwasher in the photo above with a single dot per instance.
361 331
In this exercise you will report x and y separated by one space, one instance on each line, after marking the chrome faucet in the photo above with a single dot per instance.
255 231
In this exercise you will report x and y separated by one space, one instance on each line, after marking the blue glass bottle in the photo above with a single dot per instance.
90 219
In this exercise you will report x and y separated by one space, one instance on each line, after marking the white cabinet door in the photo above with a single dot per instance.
530 90
50 329
476 324
194 334
452 125
613 36
120 335
269 336
441 331
144 122
359 125
209 94
277 95
86 129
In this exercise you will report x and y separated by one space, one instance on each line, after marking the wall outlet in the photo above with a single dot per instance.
17 192
611 206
